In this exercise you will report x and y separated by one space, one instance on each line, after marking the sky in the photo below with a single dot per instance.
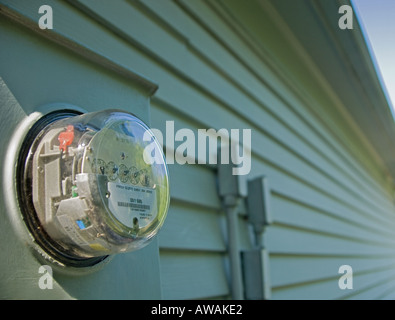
377 19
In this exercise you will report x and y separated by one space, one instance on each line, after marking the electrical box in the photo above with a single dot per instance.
258 202
92 185
256 274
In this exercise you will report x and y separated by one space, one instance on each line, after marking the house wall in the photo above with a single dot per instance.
237 65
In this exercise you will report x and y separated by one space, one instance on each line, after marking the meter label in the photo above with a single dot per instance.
132 205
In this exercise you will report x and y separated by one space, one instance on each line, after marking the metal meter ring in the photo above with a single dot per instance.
86 189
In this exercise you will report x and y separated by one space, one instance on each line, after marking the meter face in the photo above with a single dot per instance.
118 151
95 187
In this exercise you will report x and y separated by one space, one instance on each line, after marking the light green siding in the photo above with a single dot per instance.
237 64
39 76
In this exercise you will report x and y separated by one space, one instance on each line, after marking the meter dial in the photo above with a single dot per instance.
134 175
123 173
111 171
144 178
98 166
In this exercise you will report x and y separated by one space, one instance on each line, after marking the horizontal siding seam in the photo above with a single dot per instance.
83 51
295 152
337 102
301 96
335 235
285 169
336 278
306 141
355 293
331 214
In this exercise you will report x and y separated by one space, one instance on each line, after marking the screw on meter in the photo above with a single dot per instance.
91 190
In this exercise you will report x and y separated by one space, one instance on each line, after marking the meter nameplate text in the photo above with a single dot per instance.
132 204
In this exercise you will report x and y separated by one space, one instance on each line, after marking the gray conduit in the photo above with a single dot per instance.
231 210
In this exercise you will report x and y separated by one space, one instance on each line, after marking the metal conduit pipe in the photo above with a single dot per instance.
231 210
232 188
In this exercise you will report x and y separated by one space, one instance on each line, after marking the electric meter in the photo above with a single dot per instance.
93 185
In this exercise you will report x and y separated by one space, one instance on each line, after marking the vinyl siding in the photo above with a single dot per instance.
331 201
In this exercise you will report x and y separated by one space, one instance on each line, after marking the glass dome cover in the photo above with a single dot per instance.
99 184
